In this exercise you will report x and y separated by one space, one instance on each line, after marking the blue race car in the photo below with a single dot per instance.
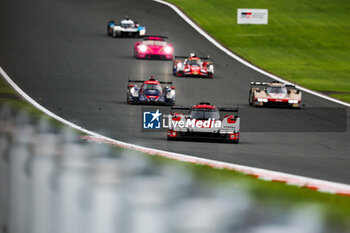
150 92
126 27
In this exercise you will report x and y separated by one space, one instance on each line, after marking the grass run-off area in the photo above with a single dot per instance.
306 42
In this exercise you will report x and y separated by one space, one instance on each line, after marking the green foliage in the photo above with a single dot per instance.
306 42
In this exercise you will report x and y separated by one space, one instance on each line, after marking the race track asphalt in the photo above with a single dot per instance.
58 52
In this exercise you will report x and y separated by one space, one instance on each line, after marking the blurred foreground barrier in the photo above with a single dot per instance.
51 181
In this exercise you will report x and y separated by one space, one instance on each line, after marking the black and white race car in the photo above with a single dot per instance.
126 27
150 92
204 121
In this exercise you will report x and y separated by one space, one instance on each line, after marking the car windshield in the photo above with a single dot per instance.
204 114
193 62
127 25
276 90
154 42
152 87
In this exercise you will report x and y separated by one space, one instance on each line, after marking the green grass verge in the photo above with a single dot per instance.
306 42
9 96
5 90
343 97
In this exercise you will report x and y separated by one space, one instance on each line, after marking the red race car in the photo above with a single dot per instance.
193 66
154 47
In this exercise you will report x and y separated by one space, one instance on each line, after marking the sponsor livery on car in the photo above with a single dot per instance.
154 47
203 121
150 92
126 27
274 94
193 66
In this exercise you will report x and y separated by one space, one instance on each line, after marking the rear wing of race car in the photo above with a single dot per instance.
142 81
258 83
221 109
266 83
178 107
203 58
228 109
289 86
145 37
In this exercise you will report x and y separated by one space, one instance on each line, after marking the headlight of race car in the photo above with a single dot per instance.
293 101
167 49
142 32
143 48
170 94
203 71
133 92
188 69
262 100
211 67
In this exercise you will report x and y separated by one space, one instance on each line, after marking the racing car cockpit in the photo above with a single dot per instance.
204 114
127 24
276 90
147 86
193 62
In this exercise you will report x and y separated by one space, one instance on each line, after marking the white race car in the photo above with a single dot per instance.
203 121
274 94
126 27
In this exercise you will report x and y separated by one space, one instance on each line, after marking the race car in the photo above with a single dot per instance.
193 66
154 47
274 94
203 121
126 27
150 92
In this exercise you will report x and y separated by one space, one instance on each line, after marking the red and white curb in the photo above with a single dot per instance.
239 59
263 174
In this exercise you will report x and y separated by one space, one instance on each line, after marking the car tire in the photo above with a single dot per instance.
250 99
253 102
109 28
210 75
128 99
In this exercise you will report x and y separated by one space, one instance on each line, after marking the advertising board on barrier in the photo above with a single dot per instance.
252 16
